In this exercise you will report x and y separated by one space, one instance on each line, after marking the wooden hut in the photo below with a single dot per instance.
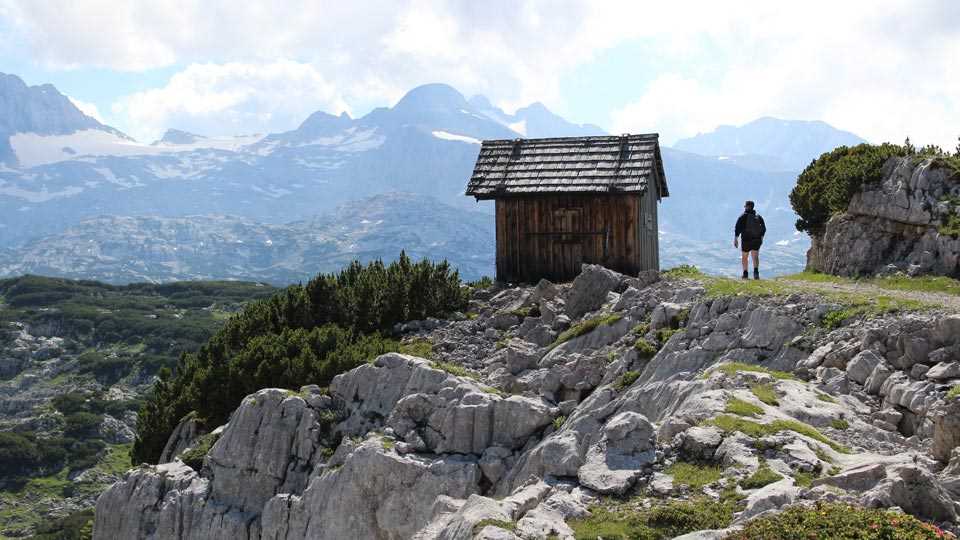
562 202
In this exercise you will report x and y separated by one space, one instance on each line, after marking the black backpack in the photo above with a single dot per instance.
752 227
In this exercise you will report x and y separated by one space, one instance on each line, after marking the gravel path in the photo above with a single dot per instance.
948 301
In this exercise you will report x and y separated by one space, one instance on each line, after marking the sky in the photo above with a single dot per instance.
882 69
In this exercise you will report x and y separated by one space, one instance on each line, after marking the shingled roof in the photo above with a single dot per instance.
606 164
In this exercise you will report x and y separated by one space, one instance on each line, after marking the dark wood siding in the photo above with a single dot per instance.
550 236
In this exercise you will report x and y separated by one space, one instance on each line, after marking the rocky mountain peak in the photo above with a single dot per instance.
176 136
431 97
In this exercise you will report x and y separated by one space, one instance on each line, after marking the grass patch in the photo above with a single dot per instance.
627 379
683 271
950 226
664 335
743 408
733 368
499 523
766 394
954 392
931 284
454 369
641 329
388 444
838 522
827 398
729 424
421 348
585 327
644 348
762 477
558 422
693 475
662 521
839 423
804 479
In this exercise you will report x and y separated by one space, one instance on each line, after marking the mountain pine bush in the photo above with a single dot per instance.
301 335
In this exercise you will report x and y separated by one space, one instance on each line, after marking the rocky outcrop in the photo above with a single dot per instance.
895 225
530 436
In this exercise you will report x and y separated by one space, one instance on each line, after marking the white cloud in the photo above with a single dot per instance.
228 99
882 70
88 109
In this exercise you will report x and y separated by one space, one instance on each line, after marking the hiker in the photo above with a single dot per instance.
750 230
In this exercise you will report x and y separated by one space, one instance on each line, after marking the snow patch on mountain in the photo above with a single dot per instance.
454 137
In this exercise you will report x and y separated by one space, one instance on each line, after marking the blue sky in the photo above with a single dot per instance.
883 69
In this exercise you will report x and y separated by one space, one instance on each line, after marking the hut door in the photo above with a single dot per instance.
567 248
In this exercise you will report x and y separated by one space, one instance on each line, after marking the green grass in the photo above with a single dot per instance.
804 479
838 521
729 424
694 475
839 423
683 271
421 348
585 327
950 226
644 348
664 335
766 394
388 444
743 408
660 522
954 392
641 329
826 398
454 369
732 368
558 422
763 476
499 523
627 379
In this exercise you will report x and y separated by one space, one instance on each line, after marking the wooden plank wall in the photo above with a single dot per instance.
523 255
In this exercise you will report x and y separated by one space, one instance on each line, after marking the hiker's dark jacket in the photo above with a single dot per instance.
738 230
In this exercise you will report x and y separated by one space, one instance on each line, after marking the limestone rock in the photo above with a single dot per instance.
946 429
862 365
590 289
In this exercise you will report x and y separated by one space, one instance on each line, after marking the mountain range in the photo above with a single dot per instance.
81 199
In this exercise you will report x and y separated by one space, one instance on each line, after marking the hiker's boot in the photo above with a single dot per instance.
746 275
756 273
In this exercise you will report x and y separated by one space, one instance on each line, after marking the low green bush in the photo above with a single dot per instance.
193 456
839 423
763 476
838 521
627 379
660 522
954 393
644 348
828 184
300 335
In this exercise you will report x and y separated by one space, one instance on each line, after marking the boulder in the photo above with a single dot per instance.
613 464
589 290
915 490
945 370
772 496
862 365
946 429
700 442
